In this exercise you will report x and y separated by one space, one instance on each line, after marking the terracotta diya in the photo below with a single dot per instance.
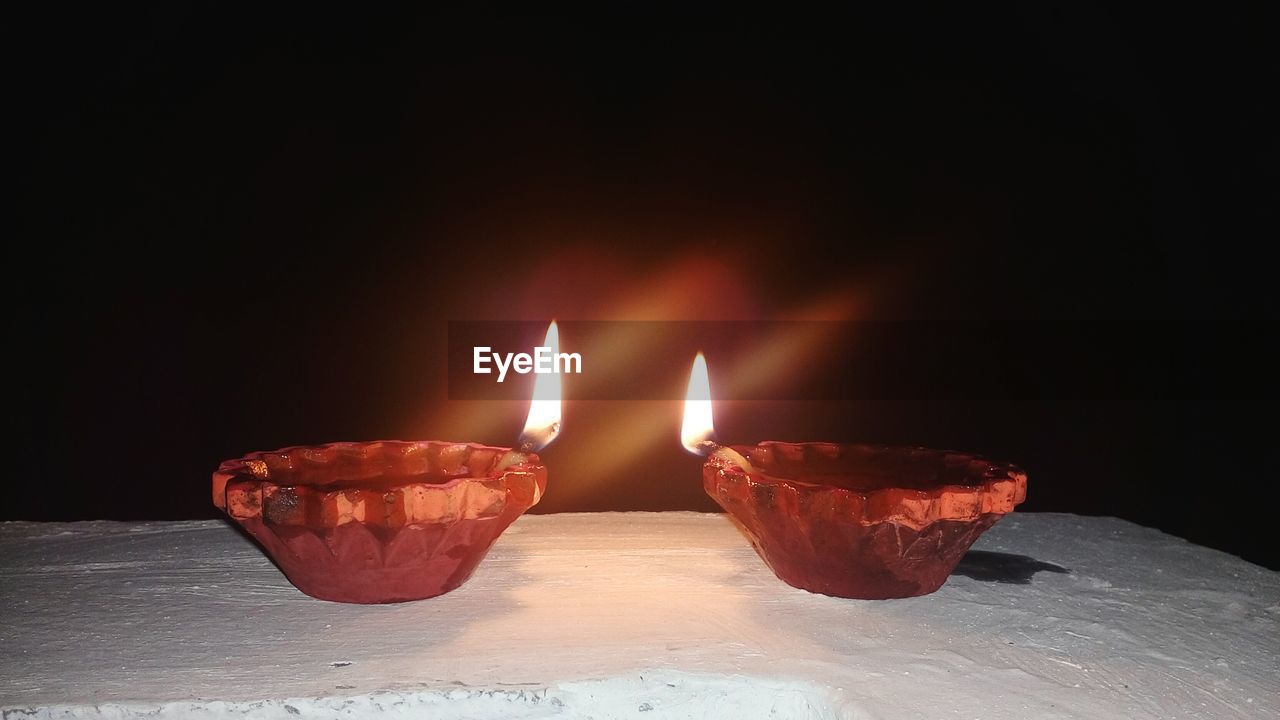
388 521
853 521
378 522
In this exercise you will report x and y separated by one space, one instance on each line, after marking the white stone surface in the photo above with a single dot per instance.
633 615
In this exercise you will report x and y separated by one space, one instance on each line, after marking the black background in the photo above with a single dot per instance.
243 230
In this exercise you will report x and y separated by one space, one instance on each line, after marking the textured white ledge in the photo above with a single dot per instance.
634 615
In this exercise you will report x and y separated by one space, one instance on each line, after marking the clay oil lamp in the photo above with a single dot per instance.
388 521
852 521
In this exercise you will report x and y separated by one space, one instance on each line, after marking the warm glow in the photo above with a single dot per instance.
543 423
608 287
697 428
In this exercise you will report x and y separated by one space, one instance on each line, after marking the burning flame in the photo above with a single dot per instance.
697 430
543 423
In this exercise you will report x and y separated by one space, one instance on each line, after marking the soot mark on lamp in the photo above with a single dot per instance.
1003 567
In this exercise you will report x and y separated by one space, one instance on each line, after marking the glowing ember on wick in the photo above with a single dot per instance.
543 423
697 432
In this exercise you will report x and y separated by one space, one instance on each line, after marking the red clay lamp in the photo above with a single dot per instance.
388 521
853 521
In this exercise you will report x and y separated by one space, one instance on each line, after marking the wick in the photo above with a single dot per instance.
726 453
516 455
